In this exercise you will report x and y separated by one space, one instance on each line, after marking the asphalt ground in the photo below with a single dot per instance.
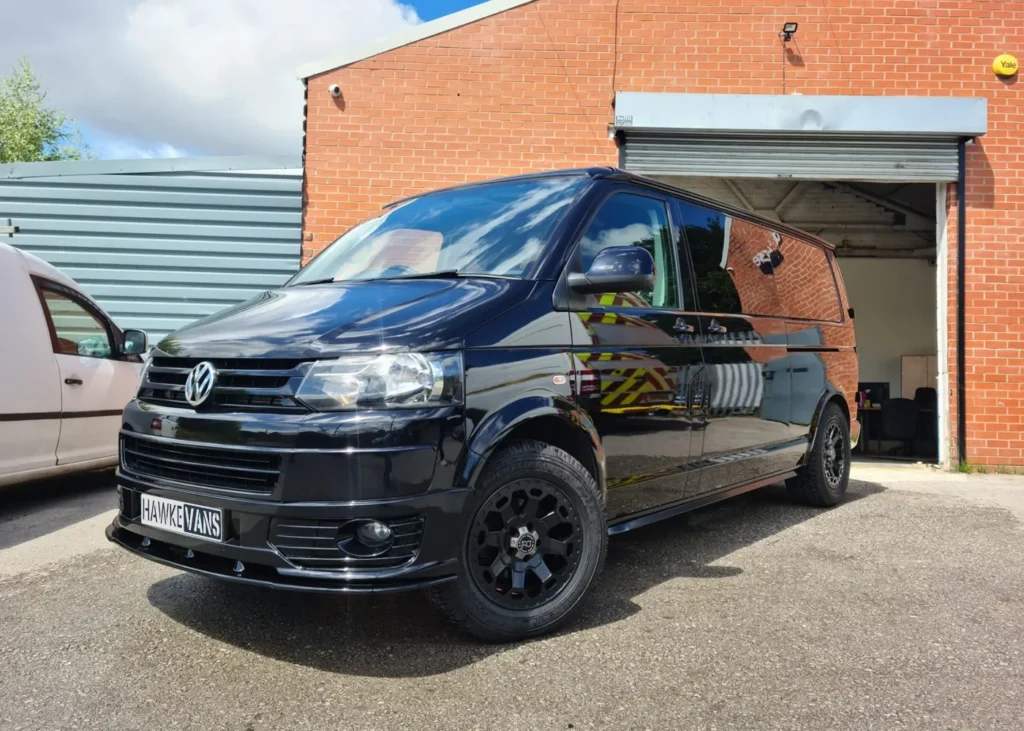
902 608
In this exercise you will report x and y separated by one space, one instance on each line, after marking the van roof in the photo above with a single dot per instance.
40 268
610 173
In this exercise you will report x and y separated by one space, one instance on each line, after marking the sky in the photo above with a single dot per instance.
183 78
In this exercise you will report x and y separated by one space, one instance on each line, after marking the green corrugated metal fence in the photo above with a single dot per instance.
160 243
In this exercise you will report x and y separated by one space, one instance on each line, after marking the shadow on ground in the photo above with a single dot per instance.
403 636
35 509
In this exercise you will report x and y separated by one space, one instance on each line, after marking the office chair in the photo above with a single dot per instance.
927 399
899 422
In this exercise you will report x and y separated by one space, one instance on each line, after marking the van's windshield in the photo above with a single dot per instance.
498 229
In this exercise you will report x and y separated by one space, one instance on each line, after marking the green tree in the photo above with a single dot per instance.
29 130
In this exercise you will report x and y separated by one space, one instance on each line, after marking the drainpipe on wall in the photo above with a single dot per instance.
961 239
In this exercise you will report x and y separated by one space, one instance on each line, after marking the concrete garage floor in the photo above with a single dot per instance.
902 608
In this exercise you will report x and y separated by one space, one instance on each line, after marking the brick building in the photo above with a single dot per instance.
854 128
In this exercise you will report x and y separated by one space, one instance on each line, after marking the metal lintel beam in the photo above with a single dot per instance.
883 202
839 226
886 253
791 195
739 194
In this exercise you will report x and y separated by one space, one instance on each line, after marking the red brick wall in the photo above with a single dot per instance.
757 291
532 89
806 284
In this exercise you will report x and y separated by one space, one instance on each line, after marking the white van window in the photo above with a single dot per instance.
78 331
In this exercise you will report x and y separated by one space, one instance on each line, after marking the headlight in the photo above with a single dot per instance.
383 381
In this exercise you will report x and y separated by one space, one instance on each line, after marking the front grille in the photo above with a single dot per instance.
312 544
213 467
257 384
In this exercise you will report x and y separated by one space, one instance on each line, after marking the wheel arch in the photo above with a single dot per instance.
541 417
830 395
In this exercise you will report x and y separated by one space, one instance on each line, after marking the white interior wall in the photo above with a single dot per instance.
894 302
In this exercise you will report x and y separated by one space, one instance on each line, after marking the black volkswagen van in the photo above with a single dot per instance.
470 392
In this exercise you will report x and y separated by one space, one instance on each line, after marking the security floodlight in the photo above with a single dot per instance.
788 29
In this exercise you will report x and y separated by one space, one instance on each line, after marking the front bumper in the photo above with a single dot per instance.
285 533
248 541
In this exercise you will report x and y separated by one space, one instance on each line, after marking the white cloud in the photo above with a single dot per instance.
207 77
124 150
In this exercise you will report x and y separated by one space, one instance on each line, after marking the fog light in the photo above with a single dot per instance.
373 534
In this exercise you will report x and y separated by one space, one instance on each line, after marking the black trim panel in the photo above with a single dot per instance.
38 416
816 349
668 511
220 567
88 414
44 415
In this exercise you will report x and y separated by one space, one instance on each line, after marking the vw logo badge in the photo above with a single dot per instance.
200 382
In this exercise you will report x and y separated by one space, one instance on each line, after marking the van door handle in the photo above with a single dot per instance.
73 381
682 326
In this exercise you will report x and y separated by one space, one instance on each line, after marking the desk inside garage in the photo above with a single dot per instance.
871 426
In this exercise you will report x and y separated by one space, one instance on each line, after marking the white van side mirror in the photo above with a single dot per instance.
135 342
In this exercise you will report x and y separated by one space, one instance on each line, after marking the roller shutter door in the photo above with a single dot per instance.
806 156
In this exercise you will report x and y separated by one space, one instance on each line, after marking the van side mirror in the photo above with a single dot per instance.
616 269
135 342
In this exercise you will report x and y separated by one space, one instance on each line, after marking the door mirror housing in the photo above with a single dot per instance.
135 342
616 269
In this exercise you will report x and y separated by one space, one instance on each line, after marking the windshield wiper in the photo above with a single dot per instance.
326 280
445 274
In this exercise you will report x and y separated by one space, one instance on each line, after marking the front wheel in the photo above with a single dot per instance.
823 480
535 543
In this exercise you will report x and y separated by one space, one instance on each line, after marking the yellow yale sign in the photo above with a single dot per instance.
1005 65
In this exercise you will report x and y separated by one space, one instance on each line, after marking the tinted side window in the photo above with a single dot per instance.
806 285
636 220
732 262
78 331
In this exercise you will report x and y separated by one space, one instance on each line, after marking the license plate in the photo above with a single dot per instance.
183 518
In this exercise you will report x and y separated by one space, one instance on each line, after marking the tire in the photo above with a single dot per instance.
535 496
822 482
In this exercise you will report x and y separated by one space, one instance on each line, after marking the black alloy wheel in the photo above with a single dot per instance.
524 544
835 457
823 479
534 542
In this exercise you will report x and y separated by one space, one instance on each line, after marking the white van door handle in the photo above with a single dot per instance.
73 381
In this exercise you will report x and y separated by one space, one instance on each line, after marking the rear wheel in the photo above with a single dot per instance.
535 542
822 482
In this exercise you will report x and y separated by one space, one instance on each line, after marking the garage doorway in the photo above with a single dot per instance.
890 242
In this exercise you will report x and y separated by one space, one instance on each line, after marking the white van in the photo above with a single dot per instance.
66 373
